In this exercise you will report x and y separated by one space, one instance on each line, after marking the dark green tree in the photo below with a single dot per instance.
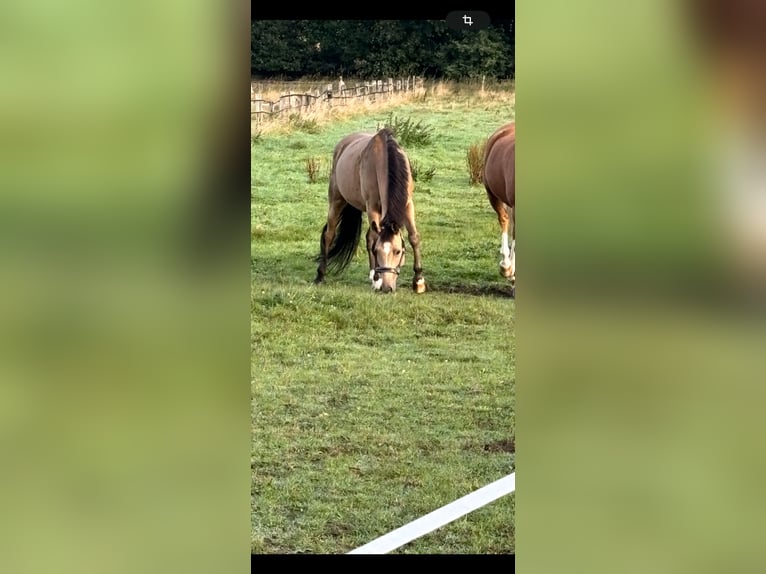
477 54
379 49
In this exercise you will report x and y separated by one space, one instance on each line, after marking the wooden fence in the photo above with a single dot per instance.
331 95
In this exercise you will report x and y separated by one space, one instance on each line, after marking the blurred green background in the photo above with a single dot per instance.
124 355
640 361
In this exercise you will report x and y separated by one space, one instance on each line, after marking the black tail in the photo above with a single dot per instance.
347 236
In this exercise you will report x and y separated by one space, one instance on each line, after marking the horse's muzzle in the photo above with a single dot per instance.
386 286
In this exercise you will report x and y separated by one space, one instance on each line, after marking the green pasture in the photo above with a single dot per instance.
371 410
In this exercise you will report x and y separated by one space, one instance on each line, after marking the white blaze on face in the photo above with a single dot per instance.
387 247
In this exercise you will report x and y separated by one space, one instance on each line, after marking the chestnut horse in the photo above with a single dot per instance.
499 176
370 173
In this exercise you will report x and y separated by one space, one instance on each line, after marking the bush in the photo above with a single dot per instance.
408 132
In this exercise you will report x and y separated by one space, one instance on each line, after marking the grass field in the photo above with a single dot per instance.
371 410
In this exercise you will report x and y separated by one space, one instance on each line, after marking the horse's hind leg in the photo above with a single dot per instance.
507 268
513 245
327 237
322 268
418 282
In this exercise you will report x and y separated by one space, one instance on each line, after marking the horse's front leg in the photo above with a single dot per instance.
418 282
372 236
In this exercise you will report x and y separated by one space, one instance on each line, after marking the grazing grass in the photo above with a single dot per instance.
371 410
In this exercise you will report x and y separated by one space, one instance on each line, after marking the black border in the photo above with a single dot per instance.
260 10
505 563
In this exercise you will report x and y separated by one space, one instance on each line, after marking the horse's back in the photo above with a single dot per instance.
350 146
344 178
500 164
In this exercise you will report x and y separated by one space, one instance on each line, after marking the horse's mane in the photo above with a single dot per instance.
398 183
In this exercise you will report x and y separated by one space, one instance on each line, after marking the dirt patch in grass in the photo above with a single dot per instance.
505 445
338 529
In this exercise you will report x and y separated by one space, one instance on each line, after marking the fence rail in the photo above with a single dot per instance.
330 95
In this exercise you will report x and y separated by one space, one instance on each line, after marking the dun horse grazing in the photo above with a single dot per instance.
371 173
500 182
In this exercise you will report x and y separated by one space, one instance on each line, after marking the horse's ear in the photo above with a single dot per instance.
375 226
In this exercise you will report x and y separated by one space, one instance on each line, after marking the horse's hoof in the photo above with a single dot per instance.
507 272
419 285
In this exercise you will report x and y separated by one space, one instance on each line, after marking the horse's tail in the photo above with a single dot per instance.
347 235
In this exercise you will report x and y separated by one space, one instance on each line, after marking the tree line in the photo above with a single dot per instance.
380 48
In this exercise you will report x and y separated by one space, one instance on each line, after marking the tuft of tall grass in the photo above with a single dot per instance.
304 124
312 165
421 174
474 158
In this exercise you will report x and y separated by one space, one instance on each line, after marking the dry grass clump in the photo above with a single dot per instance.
474 158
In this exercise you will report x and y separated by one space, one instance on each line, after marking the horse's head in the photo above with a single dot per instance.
389 258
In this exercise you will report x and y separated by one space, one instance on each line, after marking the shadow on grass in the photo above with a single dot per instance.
476 289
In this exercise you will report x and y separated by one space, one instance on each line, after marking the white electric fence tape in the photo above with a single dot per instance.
439 517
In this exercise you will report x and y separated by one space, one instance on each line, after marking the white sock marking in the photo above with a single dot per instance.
505 252
513 257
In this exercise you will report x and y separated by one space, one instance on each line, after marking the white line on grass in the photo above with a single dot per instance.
439 517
